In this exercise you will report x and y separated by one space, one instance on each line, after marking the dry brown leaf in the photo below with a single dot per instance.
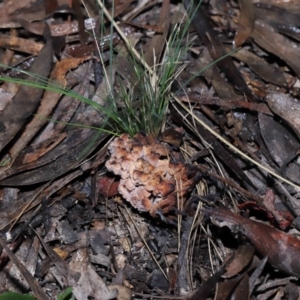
5 98
16 113
246 22
227 287
216 49
266 37
11 10
281 142
42 149
20 44
157 43
242 290
34 285
62 29
291 5
48 102
281 248
242 258
85 281
266 71
124 293
287 107
56 162
65 65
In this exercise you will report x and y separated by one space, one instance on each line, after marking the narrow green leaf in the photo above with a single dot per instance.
16 296
66 294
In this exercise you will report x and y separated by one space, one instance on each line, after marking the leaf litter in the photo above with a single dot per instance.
110 184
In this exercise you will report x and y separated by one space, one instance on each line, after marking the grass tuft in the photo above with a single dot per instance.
140 107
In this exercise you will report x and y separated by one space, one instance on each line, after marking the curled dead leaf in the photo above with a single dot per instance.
124 293
281 248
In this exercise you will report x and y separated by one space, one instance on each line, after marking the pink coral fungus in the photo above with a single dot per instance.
150 181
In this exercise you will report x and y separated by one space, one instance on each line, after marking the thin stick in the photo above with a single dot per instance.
145 243
215 134
123 36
